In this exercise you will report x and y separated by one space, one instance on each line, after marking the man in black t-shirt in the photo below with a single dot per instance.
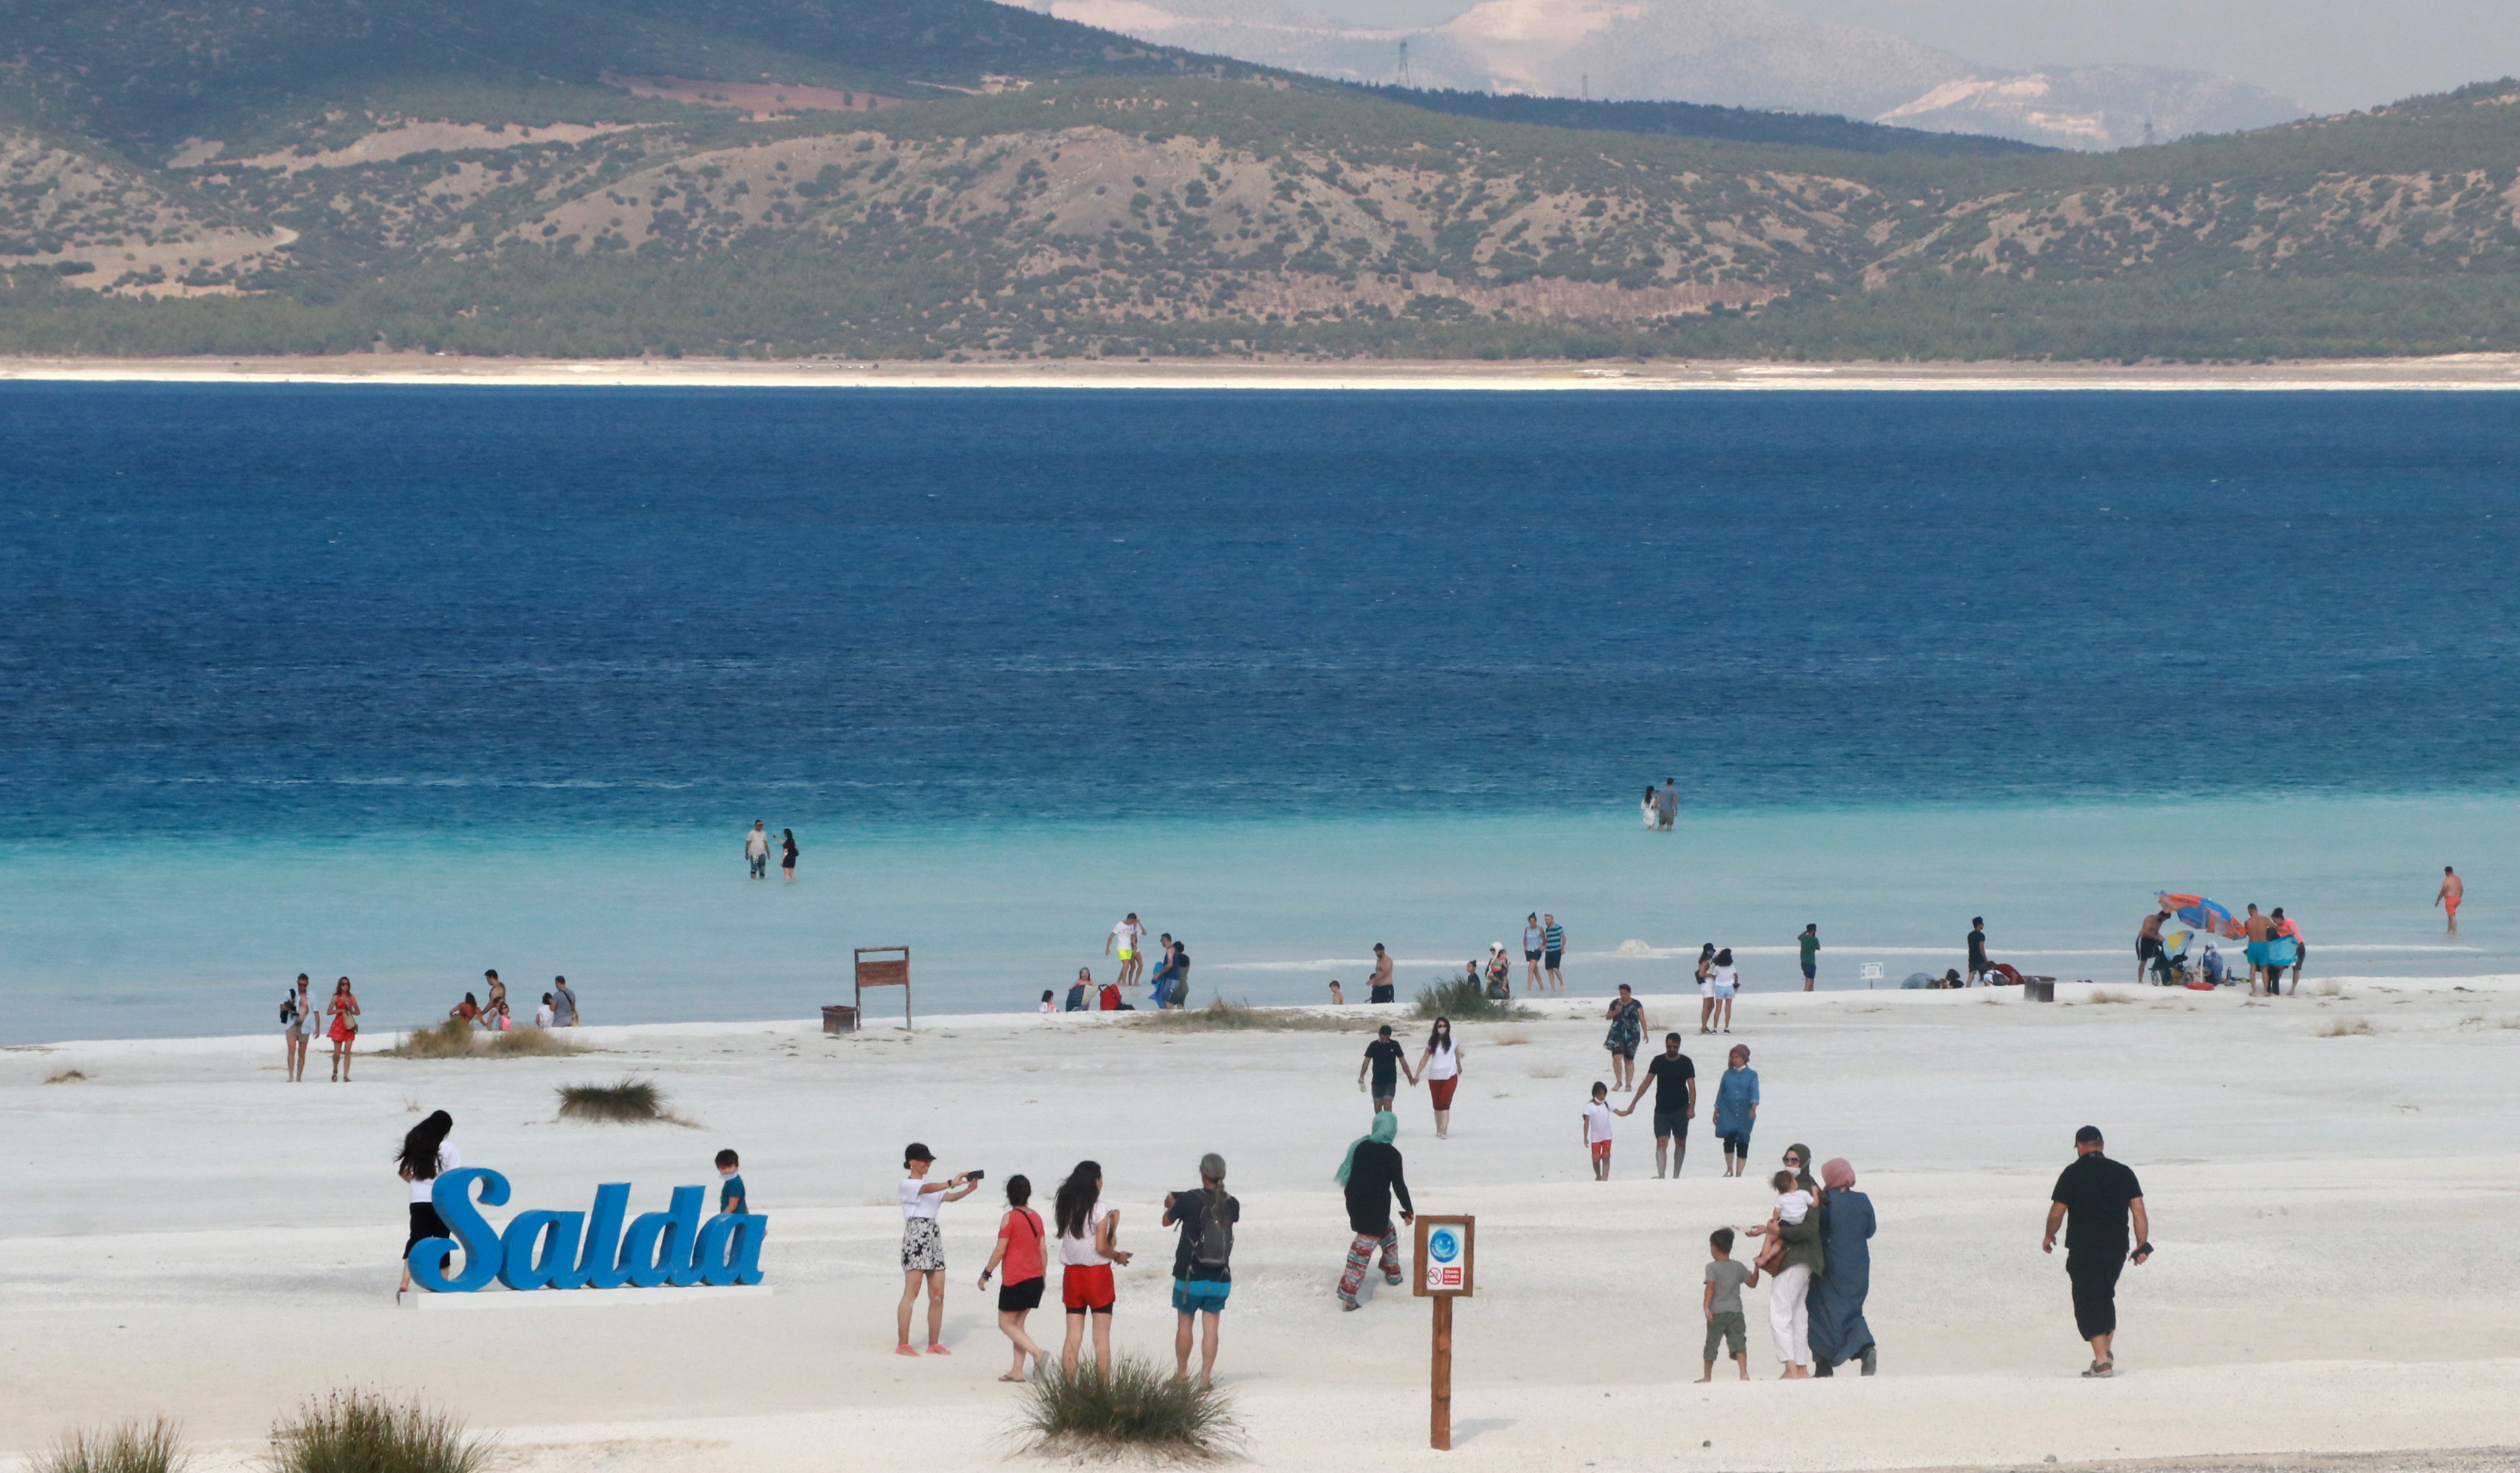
1977 966
1674 1094
2094 1198
1385 1058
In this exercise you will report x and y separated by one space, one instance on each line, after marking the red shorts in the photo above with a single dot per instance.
1087 1286
1600 1150
1440 1090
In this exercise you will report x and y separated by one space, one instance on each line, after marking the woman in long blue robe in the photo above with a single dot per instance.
1839 1333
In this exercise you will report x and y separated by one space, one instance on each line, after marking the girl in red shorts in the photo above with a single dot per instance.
1440 1066
1088 1246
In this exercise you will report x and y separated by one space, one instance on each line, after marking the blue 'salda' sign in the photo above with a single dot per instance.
577 1250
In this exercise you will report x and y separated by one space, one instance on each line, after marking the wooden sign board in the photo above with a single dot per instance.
884 966
1447 1250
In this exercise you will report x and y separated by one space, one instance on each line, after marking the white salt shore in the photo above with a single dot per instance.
181 1232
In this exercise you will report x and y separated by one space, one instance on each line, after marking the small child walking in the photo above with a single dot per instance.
1596 1130
729 1192
1725 1278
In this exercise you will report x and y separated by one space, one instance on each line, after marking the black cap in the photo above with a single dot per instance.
919 1152
2088 1134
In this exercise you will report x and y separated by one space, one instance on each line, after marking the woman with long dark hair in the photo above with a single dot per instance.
1088 1233
344 1032
426 1154
1440 1066
787 854
1020 1246
1706 988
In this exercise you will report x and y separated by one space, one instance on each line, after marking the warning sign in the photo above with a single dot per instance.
1444 1256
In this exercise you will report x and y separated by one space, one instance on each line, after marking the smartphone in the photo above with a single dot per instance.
973 1176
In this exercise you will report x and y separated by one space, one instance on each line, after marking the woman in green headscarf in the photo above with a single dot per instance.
1372 1175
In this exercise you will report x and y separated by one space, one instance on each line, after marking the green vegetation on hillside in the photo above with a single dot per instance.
374 178
1699 120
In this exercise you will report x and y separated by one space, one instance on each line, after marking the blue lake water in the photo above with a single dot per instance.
408 683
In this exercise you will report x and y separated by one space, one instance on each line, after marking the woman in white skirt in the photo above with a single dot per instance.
922 1246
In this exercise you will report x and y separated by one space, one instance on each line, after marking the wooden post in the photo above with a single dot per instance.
1439 1431
1443 1264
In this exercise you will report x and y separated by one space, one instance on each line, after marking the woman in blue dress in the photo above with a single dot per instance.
1839 1333
1736 1109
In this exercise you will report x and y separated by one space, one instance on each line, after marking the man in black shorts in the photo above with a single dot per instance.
1674 1094
1385 1058
2092 1199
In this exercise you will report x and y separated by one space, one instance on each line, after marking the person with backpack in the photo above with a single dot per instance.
1202 1264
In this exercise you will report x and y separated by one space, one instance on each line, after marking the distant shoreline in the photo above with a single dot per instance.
2457 373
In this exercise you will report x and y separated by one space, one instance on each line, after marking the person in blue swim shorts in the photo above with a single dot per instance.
1202 1263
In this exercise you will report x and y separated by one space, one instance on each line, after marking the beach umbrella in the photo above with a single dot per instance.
2191 913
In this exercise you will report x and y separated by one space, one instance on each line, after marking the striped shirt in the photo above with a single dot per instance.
1554 938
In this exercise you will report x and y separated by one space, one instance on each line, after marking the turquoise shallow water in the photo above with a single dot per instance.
406 682
192 935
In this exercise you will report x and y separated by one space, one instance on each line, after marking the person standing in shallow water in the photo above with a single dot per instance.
756 850
1809 941
2093 1200
2452 890
1533 941
787 854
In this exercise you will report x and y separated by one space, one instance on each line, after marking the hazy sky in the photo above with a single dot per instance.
2327 55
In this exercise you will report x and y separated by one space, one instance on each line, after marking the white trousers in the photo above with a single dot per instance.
1789 1316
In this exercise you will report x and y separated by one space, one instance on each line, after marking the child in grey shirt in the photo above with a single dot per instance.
1726 1276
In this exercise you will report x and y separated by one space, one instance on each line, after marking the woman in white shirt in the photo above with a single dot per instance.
922 1246
1089 1234
1440 1066
1721 983
1706 988
426 1155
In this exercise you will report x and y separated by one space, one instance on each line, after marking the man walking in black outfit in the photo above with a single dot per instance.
2092 1199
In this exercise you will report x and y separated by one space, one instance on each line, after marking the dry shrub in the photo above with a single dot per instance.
2346 1028
1466 1000
531 1042
358 1431
2329 988
1221 1017
458 1039
2103 994
1139 1407
154 1446
64 1076
626 1101
1511 1037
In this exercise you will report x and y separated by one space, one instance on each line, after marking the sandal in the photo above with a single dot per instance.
1011 1378
903 1349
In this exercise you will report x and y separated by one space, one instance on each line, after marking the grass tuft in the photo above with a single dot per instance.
1138 1407
2103 994
624 1102
64 1076
458 1039
1221 1017
1464 1001
154 1446
355 1431
532 1042
2344 1028
1511 1037
2327 989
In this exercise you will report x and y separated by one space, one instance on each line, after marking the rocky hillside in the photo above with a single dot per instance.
1221 213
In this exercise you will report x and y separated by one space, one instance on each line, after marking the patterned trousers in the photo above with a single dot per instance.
1359 1256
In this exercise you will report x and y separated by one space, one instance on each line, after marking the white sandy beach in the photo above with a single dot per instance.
184 1232
2457 372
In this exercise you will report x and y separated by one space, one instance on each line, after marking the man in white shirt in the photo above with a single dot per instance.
756 848
1129 939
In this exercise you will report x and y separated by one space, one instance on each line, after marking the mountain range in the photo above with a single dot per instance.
1732 53
952 178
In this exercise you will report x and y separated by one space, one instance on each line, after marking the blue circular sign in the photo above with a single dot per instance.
1443 1245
